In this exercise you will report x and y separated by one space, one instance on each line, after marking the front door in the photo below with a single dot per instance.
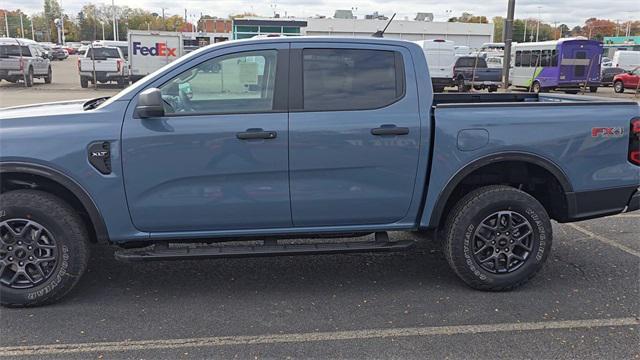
354 134
217 160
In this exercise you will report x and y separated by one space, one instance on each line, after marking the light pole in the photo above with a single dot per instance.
538 26
6 23
524 38
446 30
21 26
102 23
33 34
353 16
115 26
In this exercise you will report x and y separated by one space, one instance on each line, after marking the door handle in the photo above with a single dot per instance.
253 134
389 129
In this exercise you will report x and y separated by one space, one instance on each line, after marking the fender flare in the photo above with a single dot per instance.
534 159
102 235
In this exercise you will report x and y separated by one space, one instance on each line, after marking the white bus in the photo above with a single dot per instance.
566 64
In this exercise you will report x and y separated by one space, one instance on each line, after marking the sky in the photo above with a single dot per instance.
570 12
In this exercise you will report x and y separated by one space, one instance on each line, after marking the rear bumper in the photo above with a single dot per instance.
442 82
103 75
586 205
10 73
577 85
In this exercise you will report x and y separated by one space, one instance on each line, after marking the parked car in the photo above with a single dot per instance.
106 63
55 52
83 49
472 71
608 74
627 80
23 61
606 62
348 144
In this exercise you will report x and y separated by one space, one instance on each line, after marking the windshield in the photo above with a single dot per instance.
103 53
13 50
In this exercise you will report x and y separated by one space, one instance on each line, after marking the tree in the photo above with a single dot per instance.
599 28
563 30
13 18
498 28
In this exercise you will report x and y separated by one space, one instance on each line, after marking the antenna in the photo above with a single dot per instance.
380 33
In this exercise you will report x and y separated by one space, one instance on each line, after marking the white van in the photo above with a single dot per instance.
626 59
441 56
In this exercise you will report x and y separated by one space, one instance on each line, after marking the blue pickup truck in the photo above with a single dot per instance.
259 141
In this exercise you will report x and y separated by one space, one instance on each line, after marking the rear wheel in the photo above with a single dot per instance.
572 92
497 238
593 89
84 82
48 77
43 248
29 78
618 87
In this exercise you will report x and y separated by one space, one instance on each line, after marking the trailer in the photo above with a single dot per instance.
151 50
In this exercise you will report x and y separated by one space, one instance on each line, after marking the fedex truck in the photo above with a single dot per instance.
151 50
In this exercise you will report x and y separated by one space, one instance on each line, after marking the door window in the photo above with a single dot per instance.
580 70
351 79
235 83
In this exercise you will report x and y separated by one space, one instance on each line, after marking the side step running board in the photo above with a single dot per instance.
271 248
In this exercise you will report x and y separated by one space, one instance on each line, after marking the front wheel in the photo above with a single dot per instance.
618 87
593 89
497 238
47 79
43 248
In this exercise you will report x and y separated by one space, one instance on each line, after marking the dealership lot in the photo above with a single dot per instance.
584 304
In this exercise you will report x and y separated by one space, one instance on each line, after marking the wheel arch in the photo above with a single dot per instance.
444 201
28 174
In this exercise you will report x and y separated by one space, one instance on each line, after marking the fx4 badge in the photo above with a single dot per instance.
607 132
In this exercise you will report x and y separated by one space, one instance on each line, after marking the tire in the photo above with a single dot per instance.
462 87
618 87
493 89
122 82
536 88
62 240
572 92
48 77
461 238
593 89
84 82
29 79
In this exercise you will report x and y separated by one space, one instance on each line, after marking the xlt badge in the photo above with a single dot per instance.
100 156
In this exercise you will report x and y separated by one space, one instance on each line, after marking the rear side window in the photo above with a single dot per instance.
102 53
14 50
351 79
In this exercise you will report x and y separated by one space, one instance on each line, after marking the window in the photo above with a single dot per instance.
14 50
518 61
350 79
103 53
580 70
535 58
471 62
546 58
235 83
554 58
270 29
526 58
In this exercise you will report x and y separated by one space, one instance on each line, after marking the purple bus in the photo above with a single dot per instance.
566 64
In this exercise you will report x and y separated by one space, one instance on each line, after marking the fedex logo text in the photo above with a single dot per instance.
160 49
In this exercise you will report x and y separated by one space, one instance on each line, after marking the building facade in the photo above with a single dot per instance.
472 35
249 27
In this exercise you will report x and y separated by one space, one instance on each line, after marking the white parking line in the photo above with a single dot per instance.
99 347
605 240
635 215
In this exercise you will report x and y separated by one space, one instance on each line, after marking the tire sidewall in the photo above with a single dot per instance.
463 232
68 247
618 87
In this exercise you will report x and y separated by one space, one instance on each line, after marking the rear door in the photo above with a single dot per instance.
354 134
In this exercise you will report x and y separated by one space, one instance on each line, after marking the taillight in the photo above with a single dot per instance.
21 65
78 64
119 65
634 141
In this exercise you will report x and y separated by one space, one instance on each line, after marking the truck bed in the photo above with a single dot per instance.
505 99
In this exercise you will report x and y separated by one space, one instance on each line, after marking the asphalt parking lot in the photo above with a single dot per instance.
584 304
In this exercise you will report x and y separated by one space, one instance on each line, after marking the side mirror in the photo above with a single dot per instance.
150 104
